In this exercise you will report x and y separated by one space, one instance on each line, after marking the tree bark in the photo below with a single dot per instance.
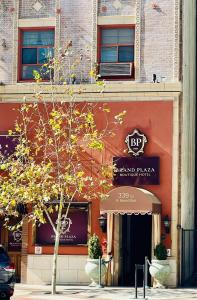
56 247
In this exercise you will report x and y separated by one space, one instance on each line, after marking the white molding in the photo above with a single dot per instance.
15 43
37 22
138 40
94 34
127 88
188 139
176 50
175 215
116 20
57 37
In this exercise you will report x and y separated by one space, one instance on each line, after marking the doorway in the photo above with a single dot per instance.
135 245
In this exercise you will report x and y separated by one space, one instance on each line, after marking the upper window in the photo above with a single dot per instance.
36 48
116 46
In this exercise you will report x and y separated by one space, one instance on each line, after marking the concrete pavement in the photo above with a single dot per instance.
42 292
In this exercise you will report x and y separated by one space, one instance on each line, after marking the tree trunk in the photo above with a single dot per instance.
56 247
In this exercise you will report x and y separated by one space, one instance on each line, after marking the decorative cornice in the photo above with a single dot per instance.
121 88
94 33
57 33
137 40
15 42
176 56
37 22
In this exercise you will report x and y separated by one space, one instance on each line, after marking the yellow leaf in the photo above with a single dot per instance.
50 141
80 174
13 202
3 167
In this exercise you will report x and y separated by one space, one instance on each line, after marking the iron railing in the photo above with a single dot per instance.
144 269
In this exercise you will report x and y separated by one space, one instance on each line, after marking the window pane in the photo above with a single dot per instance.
29 56
125 36
125 54
109 54
46 73
109 36
44 54
118 36
27 71
43 38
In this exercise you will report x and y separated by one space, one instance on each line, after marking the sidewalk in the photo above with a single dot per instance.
38 292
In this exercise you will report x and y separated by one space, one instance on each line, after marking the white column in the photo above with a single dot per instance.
188 115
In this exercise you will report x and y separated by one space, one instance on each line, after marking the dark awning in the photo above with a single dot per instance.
130 200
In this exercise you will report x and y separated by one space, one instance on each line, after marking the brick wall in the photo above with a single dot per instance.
6 40
36 9
77 25
157 40
116 7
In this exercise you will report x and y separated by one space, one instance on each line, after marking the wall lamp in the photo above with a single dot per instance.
166 222
103 222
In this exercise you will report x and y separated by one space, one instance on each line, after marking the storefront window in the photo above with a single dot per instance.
74 228
15 240
8 144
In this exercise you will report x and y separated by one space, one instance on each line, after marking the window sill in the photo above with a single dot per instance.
33 82
119 79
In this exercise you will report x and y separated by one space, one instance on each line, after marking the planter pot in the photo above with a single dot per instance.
92 270
159 270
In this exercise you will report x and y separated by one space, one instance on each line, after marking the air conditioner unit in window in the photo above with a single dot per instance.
115 69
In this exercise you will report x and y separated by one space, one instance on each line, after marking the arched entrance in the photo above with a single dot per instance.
133 230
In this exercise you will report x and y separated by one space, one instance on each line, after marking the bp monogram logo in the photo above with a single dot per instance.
17 236
65 224
135 142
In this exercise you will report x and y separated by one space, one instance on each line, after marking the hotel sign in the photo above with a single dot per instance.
136 171
74 229
14 240
135 142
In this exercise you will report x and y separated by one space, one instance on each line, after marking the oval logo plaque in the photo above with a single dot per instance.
135 142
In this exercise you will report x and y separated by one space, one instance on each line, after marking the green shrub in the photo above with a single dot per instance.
94 247
160 252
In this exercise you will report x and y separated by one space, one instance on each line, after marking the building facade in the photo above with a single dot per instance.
137 46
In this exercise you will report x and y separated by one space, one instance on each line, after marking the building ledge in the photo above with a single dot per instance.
111 87
117 92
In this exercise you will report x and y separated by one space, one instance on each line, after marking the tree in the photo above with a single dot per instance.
56 157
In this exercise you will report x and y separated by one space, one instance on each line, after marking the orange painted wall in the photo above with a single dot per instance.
155 120
152 118
8 114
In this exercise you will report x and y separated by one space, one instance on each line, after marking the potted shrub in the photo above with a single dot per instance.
160 268
160 252
94 247
92 265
